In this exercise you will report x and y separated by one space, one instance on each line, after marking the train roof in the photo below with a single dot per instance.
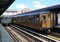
4 4
44 10
51 8
34 13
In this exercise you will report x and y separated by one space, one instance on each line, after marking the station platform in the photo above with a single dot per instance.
4 36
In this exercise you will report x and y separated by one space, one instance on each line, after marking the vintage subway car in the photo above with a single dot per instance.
42 19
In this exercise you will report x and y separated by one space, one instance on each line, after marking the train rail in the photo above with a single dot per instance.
54 35
39 37
13 36
16 39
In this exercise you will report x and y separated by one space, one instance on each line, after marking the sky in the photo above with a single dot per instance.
33 4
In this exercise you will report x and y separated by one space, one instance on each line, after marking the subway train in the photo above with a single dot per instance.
5 20
41 19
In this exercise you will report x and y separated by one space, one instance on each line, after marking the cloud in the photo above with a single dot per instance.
21 6
38 5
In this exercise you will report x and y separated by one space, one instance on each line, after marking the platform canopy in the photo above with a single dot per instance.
4 4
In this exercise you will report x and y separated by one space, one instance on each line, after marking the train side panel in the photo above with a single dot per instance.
5 20
46 21
42 22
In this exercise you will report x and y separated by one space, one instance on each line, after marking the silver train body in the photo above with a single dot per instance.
5 20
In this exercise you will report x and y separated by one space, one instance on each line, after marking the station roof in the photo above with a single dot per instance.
4 4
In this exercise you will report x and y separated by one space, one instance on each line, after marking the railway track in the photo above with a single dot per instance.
54 35
39 37
16 39
13 36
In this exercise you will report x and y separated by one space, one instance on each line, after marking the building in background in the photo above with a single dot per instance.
14 12
25 10
10 12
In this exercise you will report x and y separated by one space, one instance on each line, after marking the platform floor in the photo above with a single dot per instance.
4 36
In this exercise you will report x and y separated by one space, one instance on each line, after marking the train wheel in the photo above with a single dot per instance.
6 24
48 31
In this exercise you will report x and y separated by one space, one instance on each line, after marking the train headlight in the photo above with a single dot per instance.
14 21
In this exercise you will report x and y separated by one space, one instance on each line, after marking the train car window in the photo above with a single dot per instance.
32 18
58 18
44 18
2 18
37 15
5 17
29 16
17 17
24 18
36 18
28 19
9 17
21 18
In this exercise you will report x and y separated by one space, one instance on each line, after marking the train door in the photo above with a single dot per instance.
57 20
49 20
46 20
